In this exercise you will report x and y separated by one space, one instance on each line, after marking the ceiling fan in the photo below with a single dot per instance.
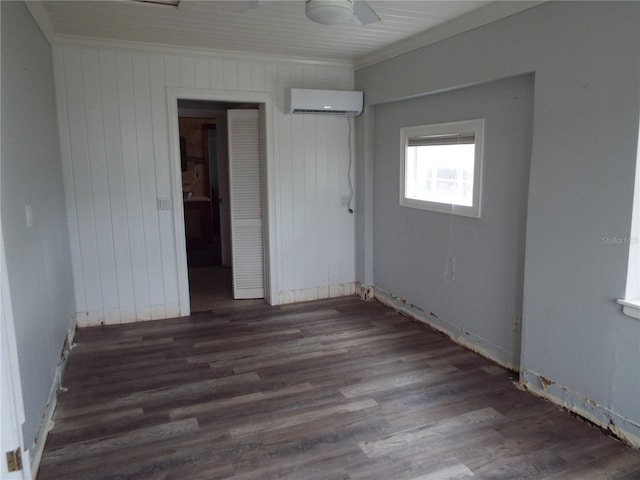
330 12
333 12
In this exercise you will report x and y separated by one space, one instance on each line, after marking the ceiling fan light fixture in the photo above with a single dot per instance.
329 12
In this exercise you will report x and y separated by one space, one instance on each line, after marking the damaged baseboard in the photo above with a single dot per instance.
365 292
37 447
316 293
620 427
489 350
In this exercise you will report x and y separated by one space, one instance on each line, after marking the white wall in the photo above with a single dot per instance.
38 257
115 150
482 305
578 348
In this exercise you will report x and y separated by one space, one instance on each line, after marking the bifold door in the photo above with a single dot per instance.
245 182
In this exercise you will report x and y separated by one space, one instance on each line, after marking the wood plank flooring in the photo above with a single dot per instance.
211 287
327 390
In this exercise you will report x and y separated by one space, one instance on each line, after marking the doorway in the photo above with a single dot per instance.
204 158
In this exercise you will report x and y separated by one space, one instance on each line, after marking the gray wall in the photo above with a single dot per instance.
38 258
485 299
586 60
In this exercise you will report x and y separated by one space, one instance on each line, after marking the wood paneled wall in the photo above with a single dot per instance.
112 108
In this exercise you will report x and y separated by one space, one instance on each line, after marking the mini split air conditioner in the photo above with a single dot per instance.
332 102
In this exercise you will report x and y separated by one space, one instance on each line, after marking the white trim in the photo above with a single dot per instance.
195 51
317 293
266 107
477 18
631 302
270 215
630 308
176 201
474 125
12 368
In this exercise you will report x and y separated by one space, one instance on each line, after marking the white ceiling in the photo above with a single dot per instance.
274 28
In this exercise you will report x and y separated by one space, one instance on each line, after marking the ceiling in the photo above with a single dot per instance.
274 28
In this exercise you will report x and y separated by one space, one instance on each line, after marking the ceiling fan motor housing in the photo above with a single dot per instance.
329 12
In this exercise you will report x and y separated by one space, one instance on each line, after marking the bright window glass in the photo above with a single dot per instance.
441 167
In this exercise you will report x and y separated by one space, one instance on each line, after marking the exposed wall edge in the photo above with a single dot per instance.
37 448
468 340
316 293
622 428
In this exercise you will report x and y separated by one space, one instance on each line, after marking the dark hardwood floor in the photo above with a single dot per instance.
328 390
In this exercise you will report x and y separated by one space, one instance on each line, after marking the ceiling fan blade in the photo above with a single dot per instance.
165 3
363 14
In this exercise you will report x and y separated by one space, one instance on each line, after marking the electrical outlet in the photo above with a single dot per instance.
28 213
164 203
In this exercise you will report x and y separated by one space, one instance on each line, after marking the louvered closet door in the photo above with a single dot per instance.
245 178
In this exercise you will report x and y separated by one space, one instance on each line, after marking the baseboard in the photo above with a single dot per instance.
119 315
624 429
37 448
365 292
317 293
468 340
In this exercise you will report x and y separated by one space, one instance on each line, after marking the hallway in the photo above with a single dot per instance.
210 288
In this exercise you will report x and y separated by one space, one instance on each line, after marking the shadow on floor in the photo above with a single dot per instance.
211 288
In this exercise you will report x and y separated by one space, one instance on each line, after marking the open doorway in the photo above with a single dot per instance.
204 154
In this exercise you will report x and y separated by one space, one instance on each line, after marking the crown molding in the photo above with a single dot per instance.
198 51
477 18
41 16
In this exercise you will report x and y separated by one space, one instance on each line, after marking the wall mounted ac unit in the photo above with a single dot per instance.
332 102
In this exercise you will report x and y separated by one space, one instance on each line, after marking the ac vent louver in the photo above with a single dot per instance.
326 102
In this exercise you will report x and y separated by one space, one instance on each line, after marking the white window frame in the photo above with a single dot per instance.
475 126
631 302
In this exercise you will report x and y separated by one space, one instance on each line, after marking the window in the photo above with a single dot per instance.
631 302
441 167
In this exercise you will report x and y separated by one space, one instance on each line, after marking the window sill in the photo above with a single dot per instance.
631 308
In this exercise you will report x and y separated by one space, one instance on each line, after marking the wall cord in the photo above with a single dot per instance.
350 208
450 265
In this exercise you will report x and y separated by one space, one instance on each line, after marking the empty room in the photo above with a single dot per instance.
317 240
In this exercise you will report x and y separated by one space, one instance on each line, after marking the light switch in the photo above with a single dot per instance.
28 213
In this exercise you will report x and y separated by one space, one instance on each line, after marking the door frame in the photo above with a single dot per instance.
268 178
11 400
